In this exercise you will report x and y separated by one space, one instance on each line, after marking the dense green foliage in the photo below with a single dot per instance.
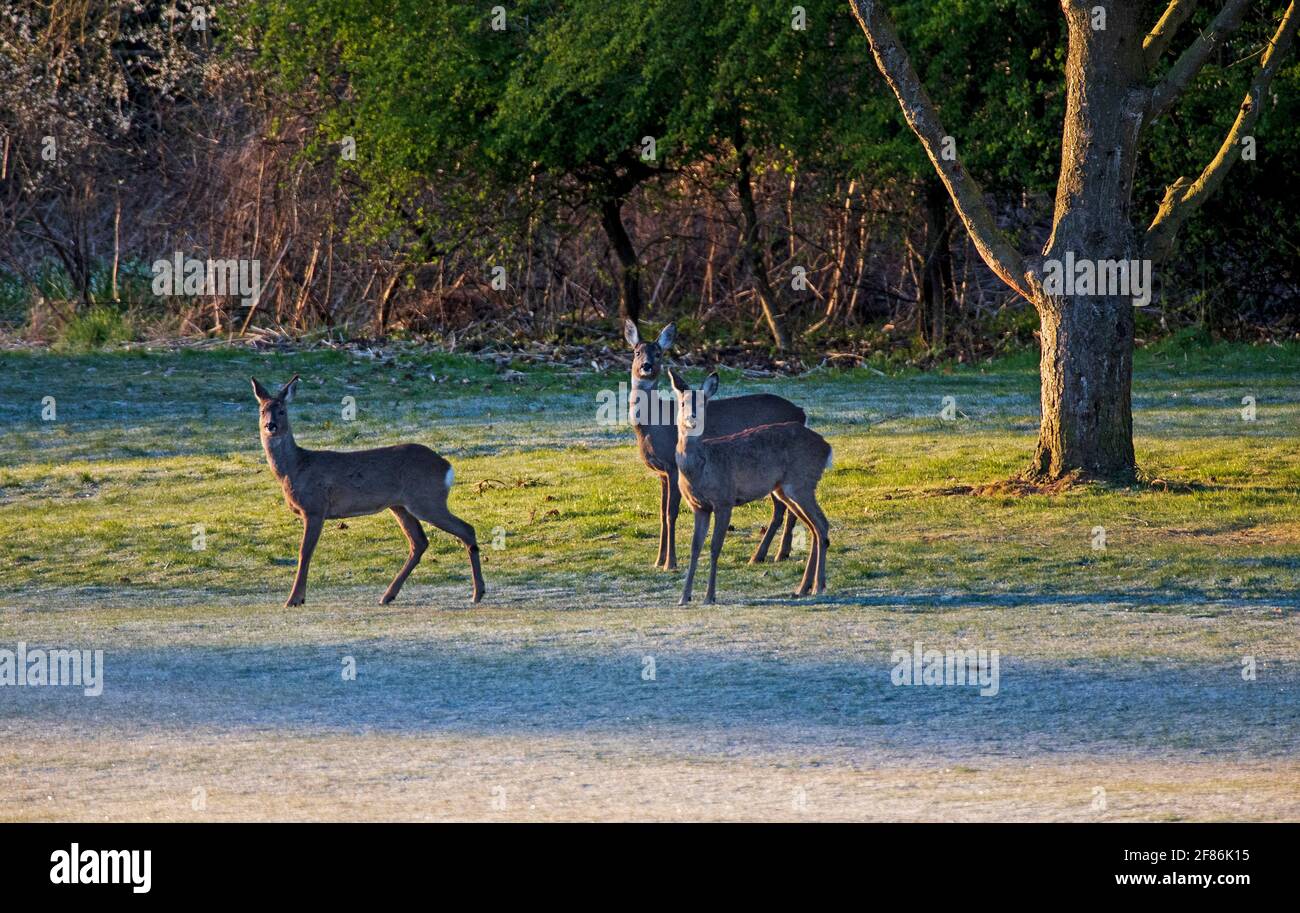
433 92
395 152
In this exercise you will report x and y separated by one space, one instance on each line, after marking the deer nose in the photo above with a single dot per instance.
271 426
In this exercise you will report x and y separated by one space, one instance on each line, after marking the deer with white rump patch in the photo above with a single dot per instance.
409 479
785 460
656 438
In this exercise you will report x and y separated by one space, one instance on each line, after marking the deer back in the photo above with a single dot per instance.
749 464
657 442
360 482
737 413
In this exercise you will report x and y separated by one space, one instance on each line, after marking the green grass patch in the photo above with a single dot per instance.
151 452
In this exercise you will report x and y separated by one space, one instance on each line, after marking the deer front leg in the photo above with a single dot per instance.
697 543
662 560
311 527
778 512
721 520
674 505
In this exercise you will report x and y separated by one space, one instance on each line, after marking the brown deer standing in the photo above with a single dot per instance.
717 473
409 479
655 426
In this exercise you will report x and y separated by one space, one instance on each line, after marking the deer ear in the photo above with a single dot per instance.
259 391
630 333
679 385
666 337
710 385
288 390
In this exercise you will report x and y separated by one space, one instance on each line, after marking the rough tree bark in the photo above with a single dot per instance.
1087 339
1086 365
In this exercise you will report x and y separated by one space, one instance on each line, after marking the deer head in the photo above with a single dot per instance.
273 417
692 404
648 357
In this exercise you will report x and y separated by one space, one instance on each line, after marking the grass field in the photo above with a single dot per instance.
578 689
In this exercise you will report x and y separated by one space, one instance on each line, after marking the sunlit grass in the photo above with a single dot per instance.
151 450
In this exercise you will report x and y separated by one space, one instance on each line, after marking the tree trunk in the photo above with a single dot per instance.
936 271
1086 371
611 218
1087 333
1086 368
751 248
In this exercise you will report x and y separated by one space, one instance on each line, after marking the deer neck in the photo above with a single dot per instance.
644 391
283 453
690 452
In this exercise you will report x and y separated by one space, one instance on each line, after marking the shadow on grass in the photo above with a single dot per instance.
1139 601
581 592
719 701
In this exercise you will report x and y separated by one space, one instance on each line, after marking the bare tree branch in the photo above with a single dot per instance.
1191 60
993 246
1184 197
1157 40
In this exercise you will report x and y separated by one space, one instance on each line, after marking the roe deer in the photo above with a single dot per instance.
409 479
655 424
785 460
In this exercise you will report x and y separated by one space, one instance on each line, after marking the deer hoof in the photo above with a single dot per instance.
386 599
476 599
685 600
292 601
709 600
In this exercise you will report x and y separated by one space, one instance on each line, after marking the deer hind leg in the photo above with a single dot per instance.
721 520
434 510
818 517
418 541
674 506
795 503
778 514
311 527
